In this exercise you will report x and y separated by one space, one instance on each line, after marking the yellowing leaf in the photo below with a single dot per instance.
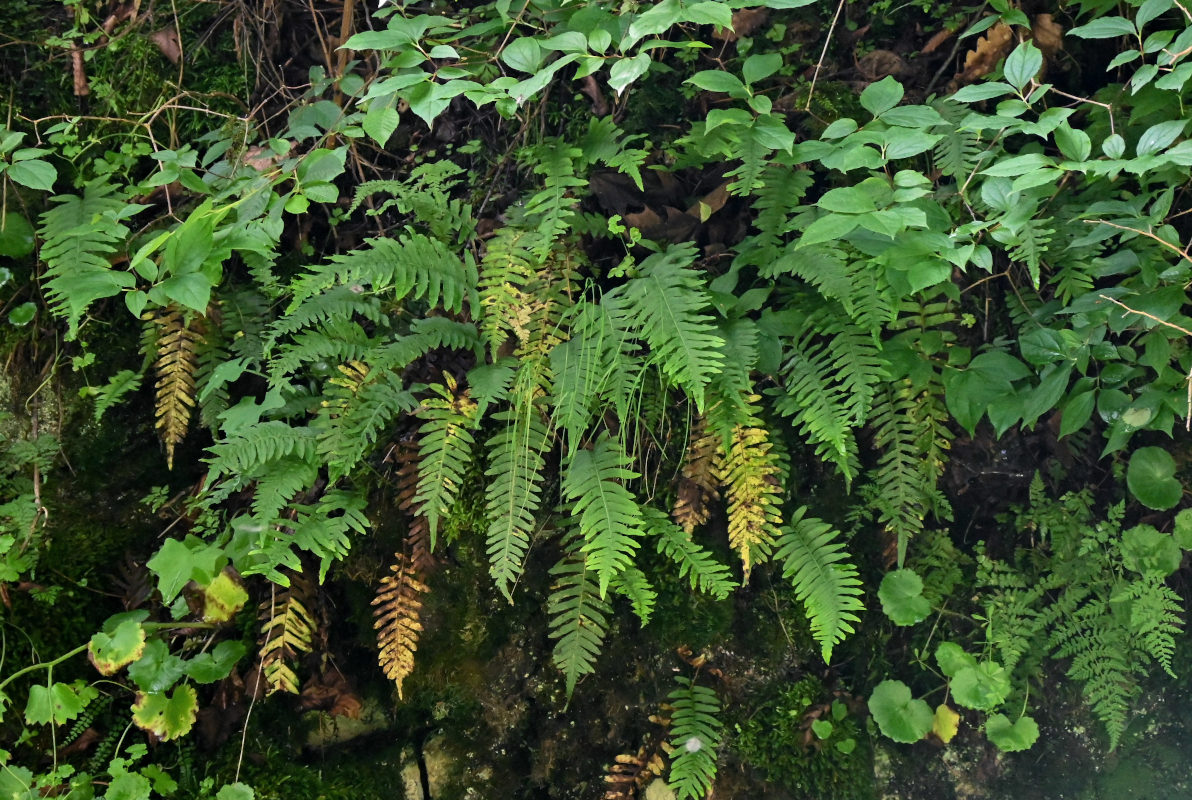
222 598
124 645
166 716
945 723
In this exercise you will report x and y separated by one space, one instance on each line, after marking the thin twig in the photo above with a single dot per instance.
823 54
1181 253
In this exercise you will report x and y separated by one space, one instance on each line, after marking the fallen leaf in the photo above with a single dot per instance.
1048 35
877 64
167 42
990 48
745 22
933 44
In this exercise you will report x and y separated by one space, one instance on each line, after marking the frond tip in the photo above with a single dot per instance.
177 362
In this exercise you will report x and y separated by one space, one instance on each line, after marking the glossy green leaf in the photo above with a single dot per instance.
983 687
16 235
35 174
901 594
22 315
898 715
881 96
1023 64
1151 478
1011 737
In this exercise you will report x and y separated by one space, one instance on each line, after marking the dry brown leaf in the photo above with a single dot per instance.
877 64
167 42
745 22
1048 35
990 48
933 44
710 203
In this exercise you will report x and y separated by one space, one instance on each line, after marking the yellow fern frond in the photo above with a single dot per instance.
398 620
287 630
175 366
750 474
698 485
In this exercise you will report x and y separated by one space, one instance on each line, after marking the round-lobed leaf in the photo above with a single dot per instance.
124 645
1150 552
902 597
983 687
1151 478
952 658
1011 737
898 715
169 716
945 723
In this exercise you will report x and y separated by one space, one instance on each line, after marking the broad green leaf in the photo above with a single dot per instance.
1023 64
217 664
714 80
36 174
22 315
1018 165
177 564
168 716
982 91
827 228
125 644
157 669
192 290
760 66
879 97
983 687
235 791
1077 412
710 13
952 658
1011 737
16 235
1105 28
898 715
902 597
380 121
653 21
129 786
1160 136
1114 146
16 783
523 54
626 71
58 703
1183 529
1074 143
1151 478
822 728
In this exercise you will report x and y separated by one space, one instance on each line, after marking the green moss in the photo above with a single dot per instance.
806 741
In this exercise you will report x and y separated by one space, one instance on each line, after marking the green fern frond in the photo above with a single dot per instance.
695 563
578 619
337 341
514 492
550 209
663 307
445 448
321 529
507 269
814 561
608 517
121 384
958 151
1155 610
79 235
696 731
338 304
781 191
279 484
253 447
359 404
633 585
752 151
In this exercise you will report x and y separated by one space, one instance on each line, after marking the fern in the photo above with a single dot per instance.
178 340
696 732
287 631
398 607
252 448
609 519
506 272
1154 619
578 617
359 405
80 234
813 559
702 570
633 585
698 483
662 307
121 384
514 491
445 449
958 152
550 208
749 474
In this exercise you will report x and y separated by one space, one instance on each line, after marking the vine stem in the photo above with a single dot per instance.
823 54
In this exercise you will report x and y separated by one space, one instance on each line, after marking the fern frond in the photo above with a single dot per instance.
695 563
578 618
287 630
507 269
583 367
698 484
958 151
360 403
178 340
550 208
120 384
663 307
609 518
79 234
749 475
814 561
445 449
1155 620
253 447
278 485
397 613
514 492
634 586
696 731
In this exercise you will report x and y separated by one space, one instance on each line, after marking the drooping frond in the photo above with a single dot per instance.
578 617
514 493
696 732
178 340
813 560
506 272
749 474
662 306
251 448
698 485
609 518
592 359
634 586
550 209
79 234
695 563
360 404
397 613
287 631
445 450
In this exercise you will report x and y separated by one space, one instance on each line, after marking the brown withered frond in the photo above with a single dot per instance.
698 486
287 630
176 364
628 775
418 541
398 611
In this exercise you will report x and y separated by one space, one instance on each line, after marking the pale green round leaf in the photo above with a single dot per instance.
1151 478
983 687
1183 529
16 235
1150 552
23 314
952 658
1011 737
902 597
898 715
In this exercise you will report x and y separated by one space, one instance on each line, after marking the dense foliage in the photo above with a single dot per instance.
634 302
